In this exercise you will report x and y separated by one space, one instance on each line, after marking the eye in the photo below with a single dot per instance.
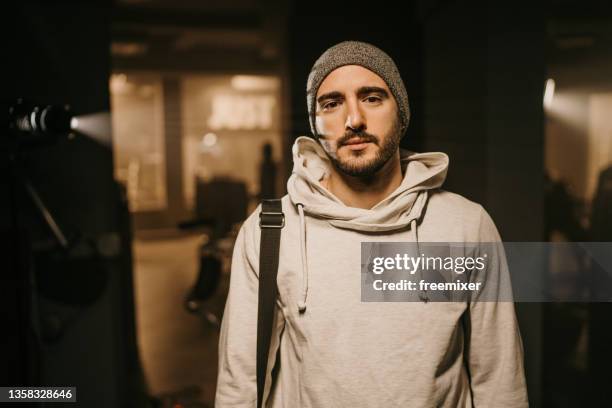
330 105
372 99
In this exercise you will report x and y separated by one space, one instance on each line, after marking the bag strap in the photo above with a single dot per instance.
271 221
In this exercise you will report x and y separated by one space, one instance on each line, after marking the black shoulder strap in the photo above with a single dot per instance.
271 221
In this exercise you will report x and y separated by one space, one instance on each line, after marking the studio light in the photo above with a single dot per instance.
32 125
40 121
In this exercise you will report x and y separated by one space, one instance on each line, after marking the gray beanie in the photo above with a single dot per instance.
367 56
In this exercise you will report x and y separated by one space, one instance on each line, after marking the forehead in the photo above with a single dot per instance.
350 78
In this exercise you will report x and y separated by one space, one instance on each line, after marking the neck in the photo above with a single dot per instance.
365 192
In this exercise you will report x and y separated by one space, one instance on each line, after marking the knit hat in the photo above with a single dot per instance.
367 56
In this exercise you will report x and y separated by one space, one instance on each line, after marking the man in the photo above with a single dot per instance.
352 184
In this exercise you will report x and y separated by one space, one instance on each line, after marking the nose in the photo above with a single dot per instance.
355 120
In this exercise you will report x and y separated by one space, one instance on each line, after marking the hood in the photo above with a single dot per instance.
403 207
422 172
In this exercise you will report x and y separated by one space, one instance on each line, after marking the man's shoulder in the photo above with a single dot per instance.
453 203
454 210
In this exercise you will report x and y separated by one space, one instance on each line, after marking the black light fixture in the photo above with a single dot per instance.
30 126
36 124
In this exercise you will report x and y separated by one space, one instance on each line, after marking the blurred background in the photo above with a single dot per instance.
119 212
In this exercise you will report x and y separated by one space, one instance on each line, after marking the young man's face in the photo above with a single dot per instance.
357 120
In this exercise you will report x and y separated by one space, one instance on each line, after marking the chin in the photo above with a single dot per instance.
358 163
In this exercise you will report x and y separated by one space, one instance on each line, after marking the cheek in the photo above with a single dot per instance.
329 125
381 122
328 147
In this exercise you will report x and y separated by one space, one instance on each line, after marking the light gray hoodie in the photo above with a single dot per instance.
336 351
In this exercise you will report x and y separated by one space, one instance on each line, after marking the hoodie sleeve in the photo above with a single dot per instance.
237 376
494 348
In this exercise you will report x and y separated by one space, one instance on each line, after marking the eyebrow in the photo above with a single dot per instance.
329 95
364 90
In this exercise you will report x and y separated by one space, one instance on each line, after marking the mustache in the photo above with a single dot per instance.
349 134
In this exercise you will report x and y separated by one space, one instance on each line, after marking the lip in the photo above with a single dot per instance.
357 143
355 140
358 146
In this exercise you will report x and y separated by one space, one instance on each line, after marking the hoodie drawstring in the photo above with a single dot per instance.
304 295
302 301
415 237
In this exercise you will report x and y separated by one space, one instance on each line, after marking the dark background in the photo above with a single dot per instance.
474 71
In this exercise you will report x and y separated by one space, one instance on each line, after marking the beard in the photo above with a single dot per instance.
356 167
